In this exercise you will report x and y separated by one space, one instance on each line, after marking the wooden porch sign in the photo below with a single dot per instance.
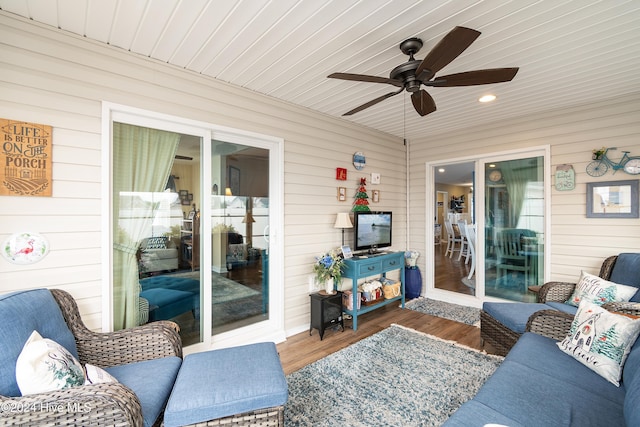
25 159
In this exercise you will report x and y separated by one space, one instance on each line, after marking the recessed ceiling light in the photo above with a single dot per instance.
487 98
441 170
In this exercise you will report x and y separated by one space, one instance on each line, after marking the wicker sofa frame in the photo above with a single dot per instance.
112 403
502 338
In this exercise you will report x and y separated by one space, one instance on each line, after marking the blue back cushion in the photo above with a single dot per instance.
20 314
626 271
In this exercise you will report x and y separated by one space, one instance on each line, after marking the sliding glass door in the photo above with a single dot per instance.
191 220
514 227
489 226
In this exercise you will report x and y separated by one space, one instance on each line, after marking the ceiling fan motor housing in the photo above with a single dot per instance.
406 73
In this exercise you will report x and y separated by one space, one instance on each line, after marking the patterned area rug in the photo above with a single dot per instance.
223 289
458 313
397 377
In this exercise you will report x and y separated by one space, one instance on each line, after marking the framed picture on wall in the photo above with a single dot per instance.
234 180
612 199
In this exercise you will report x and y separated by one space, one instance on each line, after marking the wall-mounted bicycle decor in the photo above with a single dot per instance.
601 163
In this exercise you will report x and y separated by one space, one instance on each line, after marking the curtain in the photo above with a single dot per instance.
517 175
142 160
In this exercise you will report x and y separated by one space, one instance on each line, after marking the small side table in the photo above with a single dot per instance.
326 311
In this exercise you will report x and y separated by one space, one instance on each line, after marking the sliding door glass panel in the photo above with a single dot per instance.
239 236
156 229
514 227
453 258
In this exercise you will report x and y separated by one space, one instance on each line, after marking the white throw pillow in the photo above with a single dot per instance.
601 340
599 291
44 365
96 375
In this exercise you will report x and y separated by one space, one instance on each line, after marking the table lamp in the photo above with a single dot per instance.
343 221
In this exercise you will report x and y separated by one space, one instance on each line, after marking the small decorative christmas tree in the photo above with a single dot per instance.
361 204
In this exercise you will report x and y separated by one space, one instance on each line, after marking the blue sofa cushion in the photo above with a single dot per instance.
564 307
541 354
21 313
632 403
473 413
536 399
513 315
151 381
225 382
626 272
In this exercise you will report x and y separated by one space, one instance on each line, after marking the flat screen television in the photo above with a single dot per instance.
371 231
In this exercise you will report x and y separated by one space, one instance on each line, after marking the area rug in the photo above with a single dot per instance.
458 313
223 290
397 377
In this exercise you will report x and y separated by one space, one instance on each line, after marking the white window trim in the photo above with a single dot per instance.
269 330
430 212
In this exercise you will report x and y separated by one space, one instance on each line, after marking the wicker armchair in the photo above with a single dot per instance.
96 404
502 338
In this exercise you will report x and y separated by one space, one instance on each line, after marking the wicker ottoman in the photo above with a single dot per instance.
238 386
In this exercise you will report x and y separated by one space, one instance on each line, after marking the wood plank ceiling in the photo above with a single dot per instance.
570 52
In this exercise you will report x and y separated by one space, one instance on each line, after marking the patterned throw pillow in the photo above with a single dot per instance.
601 340
44 365
599 291
156 243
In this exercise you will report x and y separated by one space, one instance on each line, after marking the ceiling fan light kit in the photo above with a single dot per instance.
415 73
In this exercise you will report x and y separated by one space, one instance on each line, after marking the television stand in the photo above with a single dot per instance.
370 266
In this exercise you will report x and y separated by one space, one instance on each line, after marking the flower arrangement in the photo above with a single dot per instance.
599 152
328 265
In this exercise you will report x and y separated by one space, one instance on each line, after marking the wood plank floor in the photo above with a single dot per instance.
302 349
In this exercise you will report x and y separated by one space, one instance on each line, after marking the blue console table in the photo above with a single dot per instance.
373 265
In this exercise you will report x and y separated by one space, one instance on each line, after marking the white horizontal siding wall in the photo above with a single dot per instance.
50 77
577 243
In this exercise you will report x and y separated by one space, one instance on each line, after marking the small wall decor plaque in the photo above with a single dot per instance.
25 155
359 160
25 248
341 174
565 178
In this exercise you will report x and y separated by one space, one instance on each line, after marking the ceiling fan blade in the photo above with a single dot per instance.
447 49
365 78
372 102
478 77
423 102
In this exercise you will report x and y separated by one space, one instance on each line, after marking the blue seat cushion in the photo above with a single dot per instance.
513 315
151 381
473 413
563 306
542 354
219 383
625 272
21 313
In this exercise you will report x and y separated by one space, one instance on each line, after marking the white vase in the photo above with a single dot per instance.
328 286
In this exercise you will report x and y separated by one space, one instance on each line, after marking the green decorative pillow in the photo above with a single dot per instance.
44 365
599 291
601 340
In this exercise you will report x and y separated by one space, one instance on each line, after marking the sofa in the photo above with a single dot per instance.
502 323
538 384
157 254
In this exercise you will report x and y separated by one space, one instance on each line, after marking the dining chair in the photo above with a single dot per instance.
470 234
454 241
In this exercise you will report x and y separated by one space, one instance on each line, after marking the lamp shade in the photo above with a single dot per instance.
227 191
343 221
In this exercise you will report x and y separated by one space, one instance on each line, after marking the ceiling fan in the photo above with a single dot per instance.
415 73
